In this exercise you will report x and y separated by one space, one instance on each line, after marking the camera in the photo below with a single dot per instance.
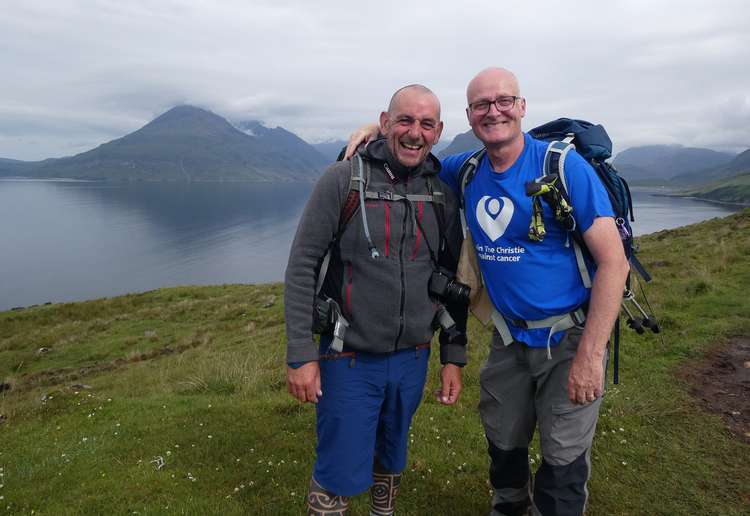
323 316
444 287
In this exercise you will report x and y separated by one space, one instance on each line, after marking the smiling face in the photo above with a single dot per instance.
496 127
412 124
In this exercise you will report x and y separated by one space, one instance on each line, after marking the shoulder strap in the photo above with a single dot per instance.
465 175
364 165
554 163
357 184
434 189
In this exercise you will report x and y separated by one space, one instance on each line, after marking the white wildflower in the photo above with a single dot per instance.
159 461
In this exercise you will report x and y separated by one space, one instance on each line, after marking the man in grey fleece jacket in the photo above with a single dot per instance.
367 393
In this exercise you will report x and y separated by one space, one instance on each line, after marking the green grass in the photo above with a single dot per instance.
196 376
735 190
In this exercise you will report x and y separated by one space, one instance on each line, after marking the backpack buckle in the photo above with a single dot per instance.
388 196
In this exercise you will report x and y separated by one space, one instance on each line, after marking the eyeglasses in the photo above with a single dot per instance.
505 103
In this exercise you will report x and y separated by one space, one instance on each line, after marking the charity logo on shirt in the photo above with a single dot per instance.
492 218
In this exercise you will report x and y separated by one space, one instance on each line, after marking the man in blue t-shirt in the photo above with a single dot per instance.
540 376
548 369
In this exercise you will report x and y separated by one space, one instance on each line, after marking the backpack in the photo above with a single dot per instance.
592 142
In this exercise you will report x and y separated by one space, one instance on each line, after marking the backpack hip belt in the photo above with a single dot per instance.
555 324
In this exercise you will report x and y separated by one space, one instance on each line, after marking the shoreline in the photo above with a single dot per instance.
704 199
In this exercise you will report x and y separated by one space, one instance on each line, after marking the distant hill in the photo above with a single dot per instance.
735 190
14 167
188 144
660 163
330 150
463 142
439 146
282 145
737 166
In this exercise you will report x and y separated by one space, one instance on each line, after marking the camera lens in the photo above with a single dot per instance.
458 292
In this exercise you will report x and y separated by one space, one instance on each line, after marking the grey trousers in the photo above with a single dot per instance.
520 389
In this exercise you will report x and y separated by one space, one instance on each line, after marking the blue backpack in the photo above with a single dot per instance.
592 142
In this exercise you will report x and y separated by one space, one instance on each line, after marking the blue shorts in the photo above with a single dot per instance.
364 414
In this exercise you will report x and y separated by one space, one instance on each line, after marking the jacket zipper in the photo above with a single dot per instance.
401 267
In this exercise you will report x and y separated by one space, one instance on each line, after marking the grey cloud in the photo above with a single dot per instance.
651 71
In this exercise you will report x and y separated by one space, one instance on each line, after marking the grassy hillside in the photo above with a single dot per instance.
734 190
174 402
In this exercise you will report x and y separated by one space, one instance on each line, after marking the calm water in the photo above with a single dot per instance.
63 241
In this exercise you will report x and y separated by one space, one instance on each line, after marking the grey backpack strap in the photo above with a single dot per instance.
323 271
363 165
555 158
355 183
465 175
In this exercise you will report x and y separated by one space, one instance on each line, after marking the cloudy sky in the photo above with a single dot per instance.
78 73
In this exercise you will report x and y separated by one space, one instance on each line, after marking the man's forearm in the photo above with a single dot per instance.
604 307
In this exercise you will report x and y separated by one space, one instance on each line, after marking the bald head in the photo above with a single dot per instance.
412 124
496 108
494 75
409 89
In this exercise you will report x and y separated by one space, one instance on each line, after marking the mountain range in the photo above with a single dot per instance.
188 143
656 163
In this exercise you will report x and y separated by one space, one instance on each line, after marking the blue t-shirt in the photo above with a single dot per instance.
525 279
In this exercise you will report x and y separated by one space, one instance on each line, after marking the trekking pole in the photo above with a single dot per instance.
616 360
648 321
634 322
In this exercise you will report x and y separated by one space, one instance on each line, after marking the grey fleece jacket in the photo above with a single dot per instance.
385 299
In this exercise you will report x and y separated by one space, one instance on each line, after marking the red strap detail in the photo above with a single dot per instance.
420 213
350 206
349 277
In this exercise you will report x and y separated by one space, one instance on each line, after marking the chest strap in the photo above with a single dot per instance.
435 197
555 324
